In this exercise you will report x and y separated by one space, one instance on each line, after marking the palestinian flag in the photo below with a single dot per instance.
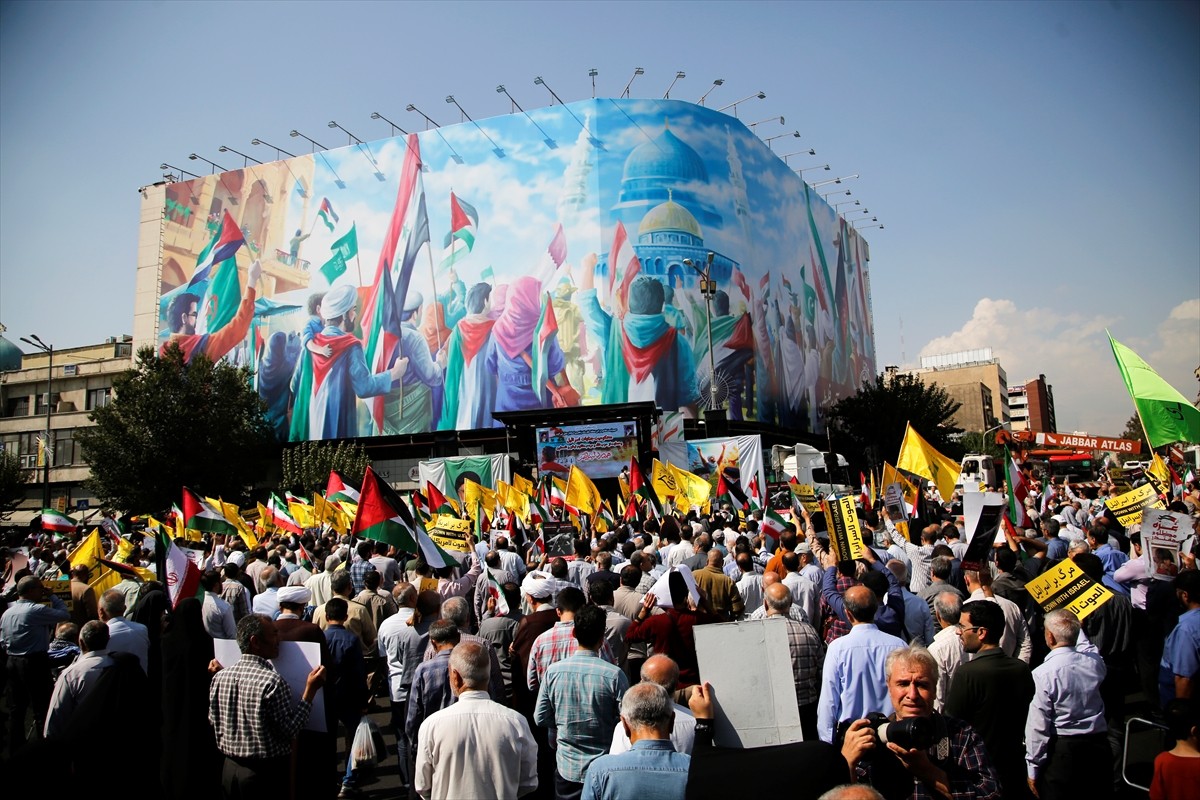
497 591
127 571
183 576
384 516
464 222
202 516
1018 490
327 214
57 523
755 494
605 521
438 503
545 334
864 497
303 558
280 517
337 490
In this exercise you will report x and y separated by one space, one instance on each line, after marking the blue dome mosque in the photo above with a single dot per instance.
654 181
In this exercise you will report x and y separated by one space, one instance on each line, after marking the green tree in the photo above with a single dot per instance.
12 483
868 427
306 466
172 424
976 442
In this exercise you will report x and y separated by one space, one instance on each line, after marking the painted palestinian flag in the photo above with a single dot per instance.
384 516
327 214
55 522
280 517
464 222
337 490
496 591
545 335
201 516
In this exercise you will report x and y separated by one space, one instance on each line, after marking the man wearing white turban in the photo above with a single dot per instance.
337 373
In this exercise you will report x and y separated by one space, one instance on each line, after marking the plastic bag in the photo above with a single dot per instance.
363 752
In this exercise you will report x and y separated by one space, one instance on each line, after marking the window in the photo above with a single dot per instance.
17 407
40 403
98 398
27 449
64 448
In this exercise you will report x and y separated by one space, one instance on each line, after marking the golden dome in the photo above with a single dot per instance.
670 216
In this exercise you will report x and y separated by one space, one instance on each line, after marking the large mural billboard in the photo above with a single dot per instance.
546 259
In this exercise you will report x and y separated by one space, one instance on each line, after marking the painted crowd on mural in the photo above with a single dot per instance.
426 282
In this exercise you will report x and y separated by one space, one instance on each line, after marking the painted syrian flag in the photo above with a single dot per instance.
384 516
497 591
545 334
337 490
224 245
200 515
280 517
327 214
464 222
183 576
55 522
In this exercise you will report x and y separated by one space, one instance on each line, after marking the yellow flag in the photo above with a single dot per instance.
522 484
662 480
303 513
475 494
1160 475
623 485
918 457
693 487
581 492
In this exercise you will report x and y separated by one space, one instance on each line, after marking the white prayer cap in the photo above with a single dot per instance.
338 301
299 595
237 557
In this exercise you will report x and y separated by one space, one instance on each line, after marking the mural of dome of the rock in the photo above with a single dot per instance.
535 260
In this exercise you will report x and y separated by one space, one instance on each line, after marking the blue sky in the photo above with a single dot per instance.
1035 165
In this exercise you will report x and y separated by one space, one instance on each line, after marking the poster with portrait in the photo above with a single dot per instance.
1165 536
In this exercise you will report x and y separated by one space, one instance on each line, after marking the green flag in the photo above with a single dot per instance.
347 246
334 268
1166 414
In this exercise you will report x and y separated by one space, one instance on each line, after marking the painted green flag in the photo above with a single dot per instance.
334 268
1166 414
347 246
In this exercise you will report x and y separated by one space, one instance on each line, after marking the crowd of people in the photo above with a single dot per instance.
915 673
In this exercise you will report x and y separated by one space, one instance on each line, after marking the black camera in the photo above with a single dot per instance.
914 733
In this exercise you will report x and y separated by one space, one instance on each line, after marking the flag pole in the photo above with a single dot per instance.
358 266
433 282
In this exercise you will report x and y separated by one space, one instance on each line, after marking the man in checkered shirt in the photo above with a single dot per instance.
252 713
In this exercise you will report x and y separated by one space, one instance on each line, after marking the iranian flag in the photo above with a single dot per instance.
384 516
545 334
57 523
464 221
496 591
1018 490
774 524
337 490
200 515
537 514
183 576
327 214
280 517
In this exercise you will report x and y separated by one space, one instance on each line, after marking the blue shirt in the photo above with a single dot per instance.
1066 701
853 679
650 769
580 697
1056 549
1111 558
1181 654
26 626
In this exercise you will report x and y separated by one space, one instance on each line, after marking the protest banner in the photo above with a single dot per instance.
559 536
294 662
845 534
982 512
62 589
1065 586
893 501
806 493
755 703
451 533
662 591
1165 535
1128 507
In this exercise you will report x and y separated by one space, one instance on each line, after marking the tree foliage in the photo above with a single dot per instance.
12 483
868 427
172 424
307 465
977 442
1133 430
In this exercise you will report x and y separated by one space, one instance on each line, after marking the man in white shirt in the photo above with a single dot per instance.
401 642
946 648
665 672
480 748
124 636
216 614
1015 641
749 583
77 680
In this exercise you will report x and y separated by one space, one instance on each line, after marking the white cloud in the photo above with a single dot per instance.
1071 350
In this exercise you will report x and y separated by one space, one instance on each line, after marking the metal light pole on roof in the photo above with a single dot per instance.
708 288
34 341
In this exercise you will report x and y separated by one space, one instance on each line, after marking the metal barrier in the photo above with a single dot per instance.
1139 745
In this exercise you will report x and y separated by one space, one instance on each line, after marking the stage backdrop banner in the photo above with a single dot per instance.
600 450
447 474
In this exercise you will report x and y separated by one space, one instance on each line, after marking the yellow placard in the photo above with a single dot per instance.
452 524
845 533
1065 586
1128 507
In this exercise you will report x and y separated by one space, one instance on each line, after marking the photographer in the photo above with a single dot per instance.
917 752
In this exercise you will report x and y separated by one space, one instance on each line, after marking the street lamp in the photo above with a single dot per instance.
214 166
708 288
734 104
278 150
636 71
313 142
246 158
716 83
836 180
753 125
847 203
395 127
180 170
801 172
47 453
678 75
808 152
770 139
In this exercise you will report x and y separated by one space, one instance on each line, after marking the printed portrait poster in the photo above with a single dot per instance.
1165 535
294 662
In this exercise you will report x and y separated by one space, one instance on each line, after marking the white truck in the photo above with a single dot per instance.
975 470
806 464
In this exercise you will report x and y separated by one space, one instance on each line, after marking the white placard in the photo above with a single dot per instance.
1165 534
662 589
295 661
754 693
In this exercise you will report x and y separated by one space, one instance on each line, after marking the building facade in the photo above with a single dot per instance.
1032 406
81 381
977 381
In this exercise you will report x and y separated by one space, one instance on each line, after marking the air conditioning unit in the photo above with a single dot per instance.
70 370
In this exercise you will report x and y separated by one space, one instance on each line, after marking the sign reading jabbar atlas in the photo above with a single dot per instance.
1089 442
